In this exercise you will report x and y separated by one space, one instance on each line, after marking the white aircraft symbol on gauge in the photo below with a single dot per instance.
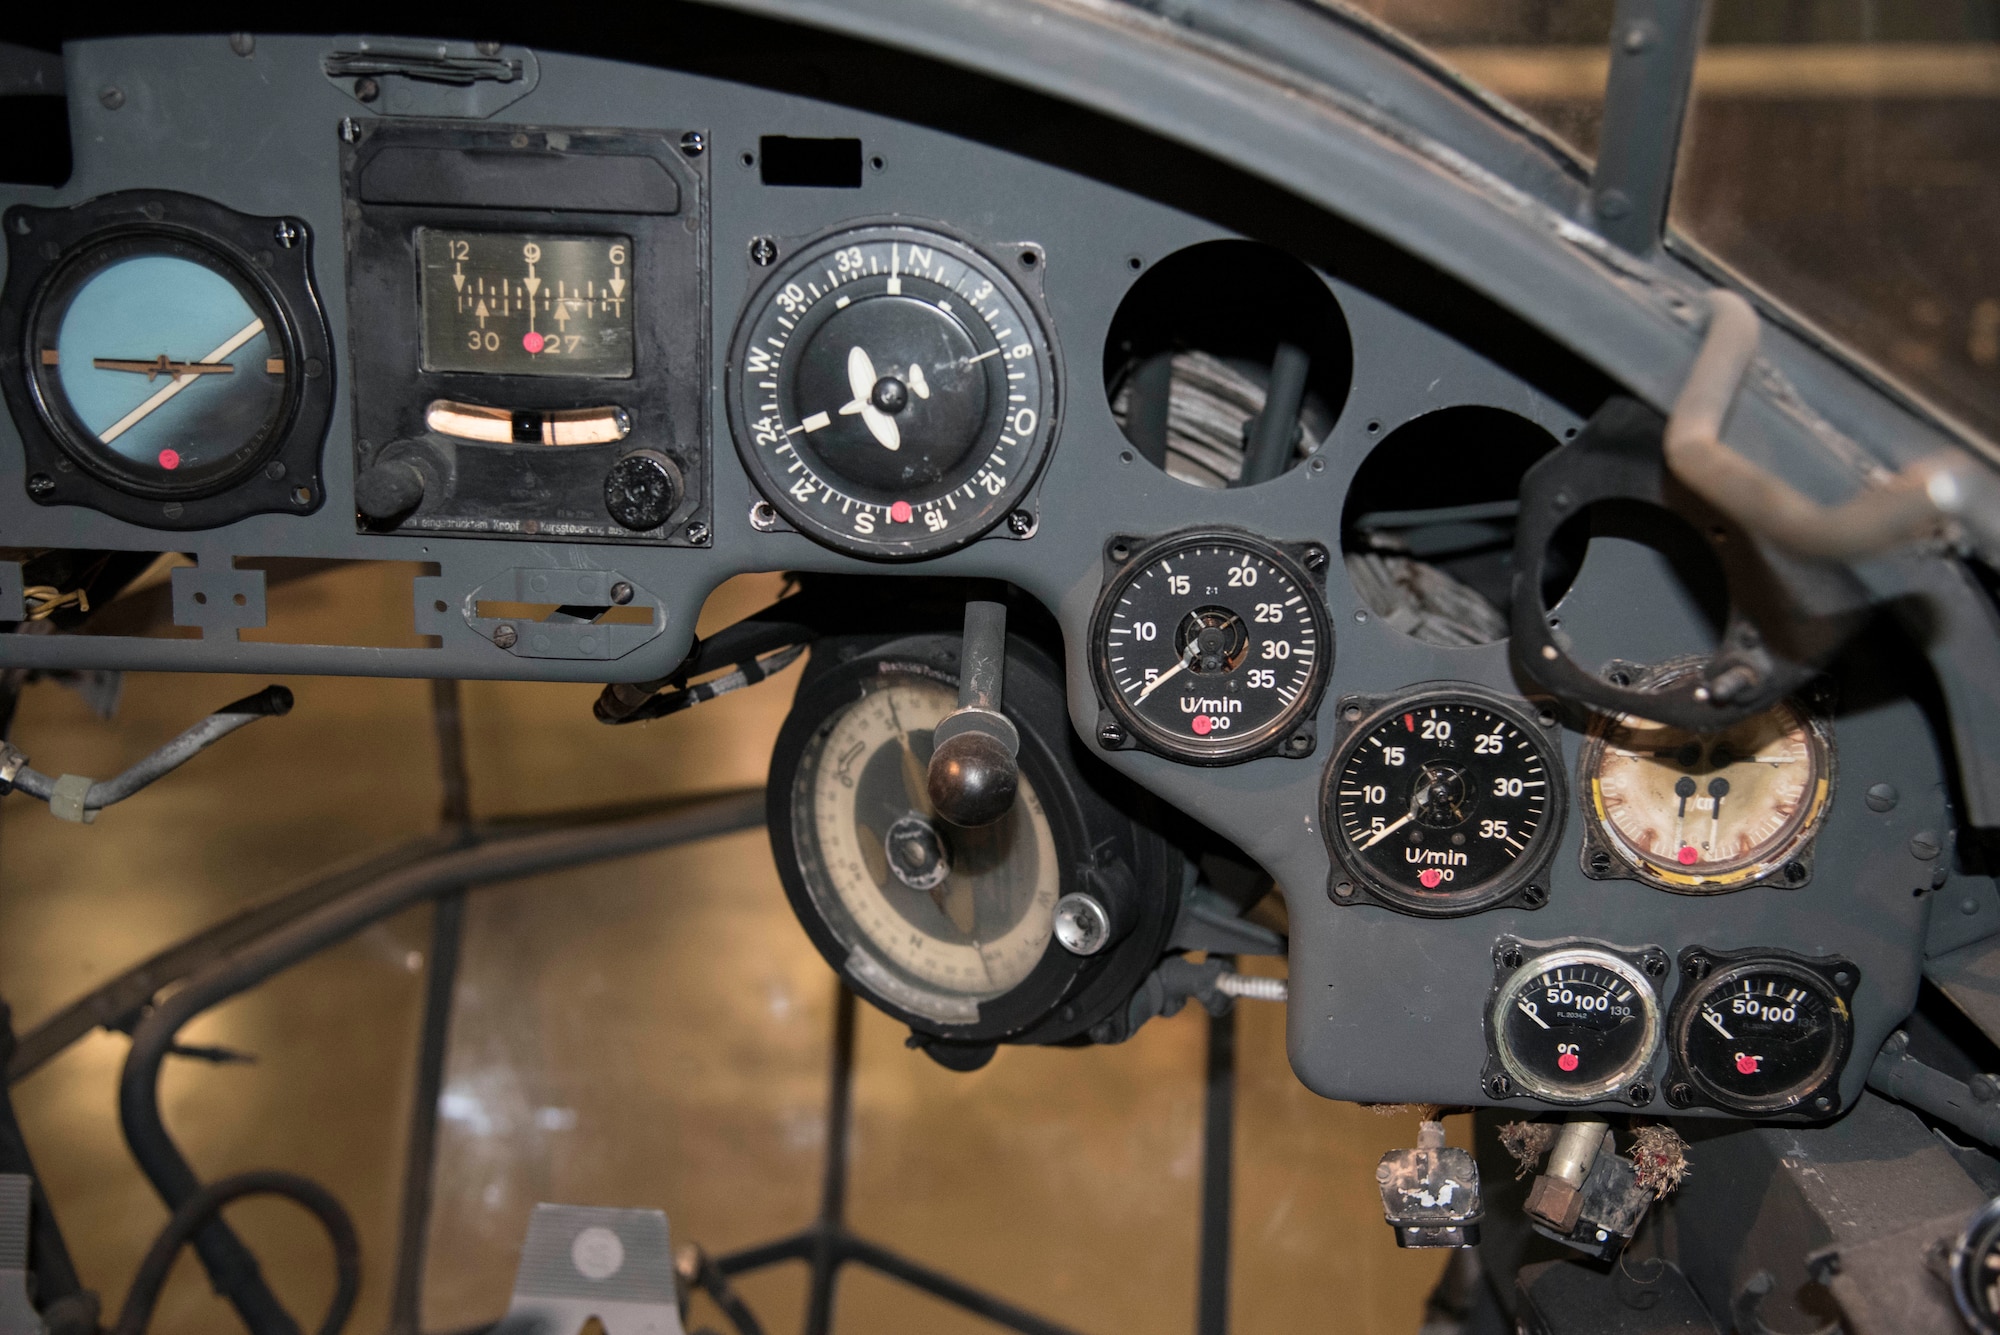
862 382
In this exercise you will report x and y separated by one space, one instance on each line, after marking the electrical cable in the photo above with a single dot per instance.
230 1264
195 1213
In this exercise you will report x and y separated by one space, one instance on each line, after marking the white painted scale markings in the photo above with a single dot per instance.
924 262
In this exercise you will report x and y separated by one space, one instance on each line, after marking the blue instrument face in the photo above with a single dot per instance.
167 370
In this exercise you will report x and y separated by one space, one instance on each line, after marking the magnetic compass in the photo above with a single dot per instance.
892 391
959 931
1761 1032
173 356
1574 1024
1211 647
1444 802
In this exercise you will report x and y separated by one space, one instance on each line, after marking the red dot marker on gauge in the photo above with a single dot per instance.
533 341
1747 1064
900 512
1567 1061
1687 856
170 459
1431 877
1201 725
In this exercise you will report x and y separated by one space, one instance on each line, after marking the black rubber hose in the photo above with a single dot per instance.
204 1205
230 1265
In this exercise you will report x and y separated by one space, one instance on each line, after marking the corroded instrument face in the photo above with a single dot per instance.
1707 813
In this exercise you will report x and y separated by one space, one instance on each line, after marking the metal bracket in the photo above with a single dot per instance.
218 598
461 80
566 632
580 1262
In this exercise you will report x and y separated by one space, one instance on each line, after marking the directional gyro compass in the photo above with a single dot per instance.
892 391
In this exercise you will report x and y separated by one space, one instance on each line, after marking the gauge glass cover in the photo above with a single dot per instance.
1212 647
1443 803
1703 814
160 366
1576 1025
1760 1035
527 303
936 918
892 392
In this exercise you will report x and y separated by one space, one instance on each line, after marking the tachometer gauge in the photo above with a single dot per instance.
893 391
1760 1032
1575 1024
172 353
1211 647
950 929
1701 814
1444 802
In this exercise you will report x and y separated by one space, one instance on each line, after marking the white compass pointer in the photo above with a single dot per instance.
861 384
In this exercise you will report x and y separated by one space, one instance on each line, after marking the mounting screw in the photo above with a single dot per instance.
1882 797
1534 896
1499 1086
1795 872
692 143
763 251
1680 1095
1351 713
286 233
350 130
1640 1094
1021 524
1696 966
366 89
1611 204
1924 845
697 533
621 593
112 97
275 470
1315 557
1823 1103
40 485
506 636
1600 863
1343 889
1509 957
1110 734
242 43
1655 966
763 517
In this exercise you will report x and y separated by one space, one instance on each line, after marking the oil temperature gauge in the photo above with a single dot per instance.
1574 1024
1761 1032
1210 647
1441 803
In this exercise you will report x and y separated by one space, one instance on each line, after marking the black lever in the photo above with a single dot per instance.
974 771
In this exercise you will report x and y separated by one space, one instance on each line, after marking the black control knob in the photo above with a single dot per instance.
388 489
642 490
975 771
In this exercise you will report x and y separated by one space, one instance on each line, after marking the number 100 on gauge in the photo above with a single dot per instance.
1210 648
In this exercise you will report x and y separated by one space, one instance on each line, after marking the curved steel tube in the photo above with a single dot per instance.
229 1263
1914 505
271 702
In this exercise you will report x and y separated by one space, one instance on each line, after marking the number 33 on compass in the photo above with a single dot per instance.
892 391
